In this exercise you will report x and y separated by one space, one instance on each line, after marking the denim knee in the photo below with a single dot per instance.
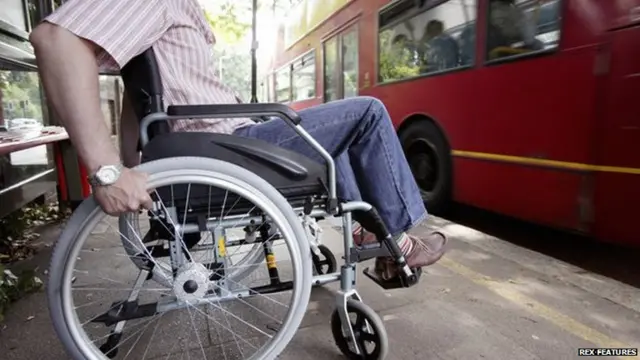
371 106
380 114
370 102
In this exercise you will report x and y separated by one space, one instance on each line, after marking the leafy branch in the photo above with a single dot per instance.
17 233
14 287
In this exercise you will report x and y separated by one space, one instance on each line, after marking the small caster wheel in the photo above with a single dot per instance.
110 347
368 329
109 351
326 266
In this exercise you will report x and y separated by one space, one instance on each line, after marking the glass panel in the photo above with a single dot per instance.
270 95
283 85
435 40
262 90
304 78
35 13
522 27
13 13
110 101
21 102
350 63
331 71
21 117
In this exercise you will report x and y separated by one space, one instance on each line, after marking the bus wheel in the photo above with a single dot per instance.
430 160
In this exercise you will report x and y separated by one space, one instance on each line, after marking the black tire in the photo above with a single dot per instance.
378 335
429 157
319 263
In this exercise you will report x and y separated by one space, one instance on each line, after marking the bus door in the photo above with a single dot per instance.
341 71
617 143
533 60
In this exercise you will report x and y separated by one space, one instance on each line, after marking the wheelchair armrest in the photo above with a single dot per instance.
236 110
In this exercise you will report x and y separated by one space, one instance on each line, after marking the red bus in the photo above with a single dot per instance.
523 107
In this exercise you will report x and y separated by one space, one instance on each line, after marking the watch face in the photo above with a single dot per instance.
107 175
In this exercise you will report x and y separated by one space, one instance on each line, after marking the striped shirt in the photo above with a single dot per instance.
182 41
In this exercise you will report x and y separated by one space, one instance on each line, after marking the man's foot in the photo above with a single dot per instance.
425 250
362 237
422 251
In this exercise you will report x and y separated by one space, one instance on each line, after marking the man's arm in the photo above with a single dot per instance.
69 71
129 134
71 44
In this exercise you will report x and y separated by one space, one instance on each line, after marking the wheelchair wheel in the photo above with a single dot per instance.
210 299
368 330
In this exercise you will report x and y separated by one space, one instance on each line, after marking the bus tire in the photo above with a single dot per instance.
429 157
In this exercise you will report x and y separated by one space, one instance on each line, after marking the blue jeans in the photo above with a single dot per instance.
370 163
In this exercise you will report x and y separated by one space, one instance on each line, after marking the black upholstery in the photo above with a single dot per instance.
295 176
143 87
296 179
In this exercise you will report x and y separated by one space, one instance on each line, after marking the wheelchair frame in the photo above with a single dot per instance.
144 88
142 81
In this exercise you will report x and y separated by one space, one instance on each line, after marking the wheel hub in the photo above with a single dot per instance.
192 282
423 160
190 286
421 165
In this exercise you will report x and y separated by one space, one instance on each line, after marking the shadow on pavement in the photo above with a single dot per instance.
610 260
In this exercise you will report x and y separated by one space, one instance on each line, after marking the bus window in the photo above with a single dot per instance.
303 77
518 27
331 70
415 41
270 95
283 84
341 65
350 63
267 89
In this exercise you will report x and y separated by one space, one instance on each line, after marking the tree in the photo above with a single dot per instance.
230 21
20 95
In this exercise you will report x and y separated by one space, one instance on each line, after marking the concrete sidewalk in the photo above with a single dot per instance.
487 299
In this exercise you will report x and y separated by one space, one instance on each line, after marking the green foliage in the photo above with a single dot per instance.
14 287
230 20
20 88
396 67
233 67
396 62
16 237
17 229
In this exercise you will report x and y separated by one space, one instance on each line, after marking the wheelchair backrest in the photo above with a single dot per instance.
143 86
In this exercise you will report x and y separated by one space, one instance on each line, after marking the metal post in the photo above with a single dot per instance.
254 47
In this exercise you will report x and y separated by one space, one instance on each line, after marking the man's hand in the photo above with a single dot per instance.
128 194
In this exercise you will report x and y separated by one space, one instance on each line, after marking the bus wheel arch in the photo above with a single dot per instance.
428 152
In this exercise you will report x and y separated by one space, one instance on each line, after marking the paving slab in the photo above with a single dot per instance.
487 299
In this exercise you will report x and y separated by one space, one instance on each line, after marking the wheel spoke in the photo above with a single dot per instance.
367 336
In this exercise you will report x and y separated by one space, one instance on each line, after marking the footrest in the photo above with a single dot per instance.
396 283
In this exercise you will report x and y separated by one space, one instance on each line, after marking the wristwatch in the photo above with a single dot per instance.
106 175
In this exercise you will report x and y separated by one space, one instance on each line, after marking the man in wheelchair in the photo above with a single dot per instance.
83 35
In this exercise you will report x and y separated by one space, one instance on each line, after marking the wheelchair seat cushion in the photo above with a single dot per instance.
292 174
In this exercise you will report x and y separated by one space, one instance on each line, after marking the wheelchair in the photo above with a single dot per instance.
278 198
